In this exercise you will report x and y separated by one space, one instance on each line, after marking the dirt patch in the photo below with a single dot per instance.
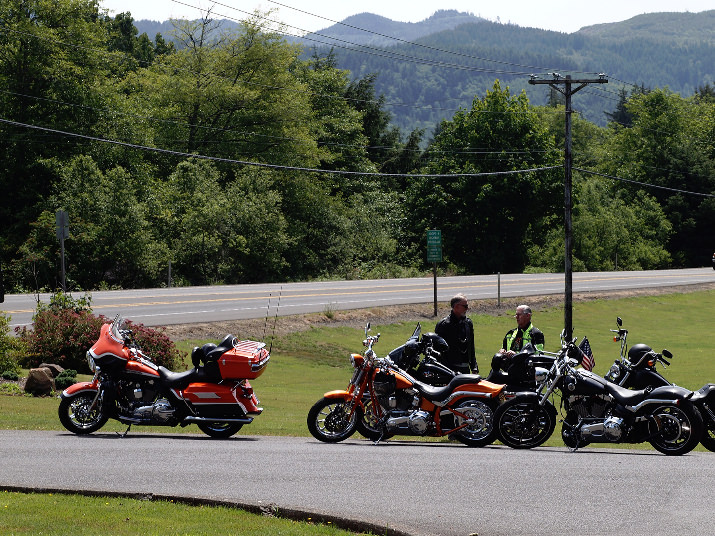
261 328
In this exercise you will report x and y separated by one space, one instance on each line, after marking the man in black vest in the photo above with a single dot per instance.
457 329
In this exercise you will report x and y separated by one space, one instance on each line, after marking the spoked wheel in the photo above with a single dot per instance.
681 428
329 420
77 414
524 424
482 430
368 427
219 430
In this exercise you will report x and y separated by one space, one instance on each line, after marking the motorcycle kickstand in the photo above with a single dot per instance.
125 432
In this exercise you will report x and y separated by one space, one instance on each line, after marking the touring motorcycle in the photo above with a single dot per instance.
127 386
638 370
383 400
599 411
419 356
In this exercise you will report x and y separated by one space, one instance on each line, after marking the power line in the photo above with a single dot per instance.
644 184
265 165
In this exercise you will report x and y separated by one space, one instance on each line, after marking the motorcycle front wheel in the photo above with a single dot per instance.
219 430
480 432
330 421
681 428
77 414
708 439
524 424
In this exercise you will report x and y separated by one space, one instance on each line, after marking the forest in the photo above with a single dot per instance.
229 155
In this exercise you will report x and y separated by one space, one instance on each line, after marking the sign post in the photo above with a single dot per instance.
434 255
63 231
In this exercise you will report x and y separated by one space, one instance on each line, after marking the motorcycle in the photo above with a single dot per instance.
426 369
522 370
638 370
127 386
383 400
599 411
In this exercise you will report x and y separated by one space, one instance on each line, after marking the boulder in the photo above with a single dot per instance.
40 382
55 369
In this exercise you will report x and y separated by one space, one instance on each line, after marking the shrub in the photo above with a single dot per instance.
10 375
10 348
156 345
65 378
65 329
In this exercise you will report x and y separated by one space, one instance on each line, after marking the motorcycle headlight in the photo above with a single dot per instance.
352 361
90 362
540 374
614 372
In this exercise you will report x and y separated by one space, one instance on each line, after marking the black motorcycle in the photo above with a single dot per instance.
419 356
599 411
521 372
637 370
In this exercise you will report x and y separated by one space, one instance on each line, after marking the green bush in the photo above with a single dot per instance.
65 329
10 375
10 348
65 378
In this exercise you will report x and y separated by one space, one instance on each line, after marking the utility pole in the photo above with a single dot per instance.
567 91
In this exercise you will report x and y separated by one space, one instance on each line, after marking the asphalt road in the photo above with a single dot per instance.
423 489
156 307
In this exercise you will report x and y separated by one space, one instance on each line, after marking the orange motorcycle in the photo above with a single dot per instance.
382 401
127 386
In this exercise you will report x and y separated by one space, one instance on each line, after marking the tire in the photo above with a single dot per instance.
328 420
681 429
482 431
75 413
524 424
708 438
367 426
219 430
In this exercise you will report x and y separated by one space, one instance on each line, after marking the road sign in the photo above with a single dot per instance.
434 245
63 225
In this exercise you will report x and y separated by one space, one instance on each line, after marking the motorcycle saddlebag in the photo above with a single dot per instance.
247 359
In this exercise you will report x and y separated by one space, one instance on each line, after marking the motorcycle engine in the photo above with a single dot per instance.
588 406
139 400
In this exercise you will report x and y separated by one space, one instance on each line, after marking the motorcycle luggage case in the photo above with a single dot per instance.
247 359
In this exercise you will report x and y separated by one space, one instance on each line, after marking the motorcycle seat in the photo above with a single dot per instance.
627 397
432 393
224 346
704 392
178 380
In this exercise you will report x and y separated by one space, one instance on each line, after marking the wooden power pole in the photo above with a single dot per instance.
564 85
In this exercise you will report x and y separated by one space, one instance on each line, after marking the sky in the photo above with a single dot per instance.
310 15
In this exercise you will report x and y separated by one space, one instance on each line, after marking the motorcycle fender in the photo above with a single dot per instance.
672 391
337 394
79 387
530 395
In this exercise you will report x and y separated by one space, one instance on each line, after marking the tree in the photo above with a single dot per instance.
488 222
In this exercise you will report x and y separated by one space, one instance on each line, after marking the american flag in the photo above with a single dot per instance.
587 359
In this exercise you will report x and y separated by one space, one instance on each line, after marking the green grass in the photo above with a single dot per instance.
306 364
62 514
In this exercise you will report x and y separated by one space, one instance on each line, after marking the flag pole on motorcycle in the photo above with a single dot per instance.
434 255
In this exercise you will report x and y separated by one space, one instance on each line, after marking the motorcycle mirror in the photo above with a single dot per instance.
667 354
619 321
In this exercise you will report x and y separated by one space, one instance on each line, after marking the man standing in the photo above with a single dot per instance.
457 329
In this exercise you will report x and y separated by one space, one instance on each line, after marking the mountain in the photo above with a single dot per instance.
429 69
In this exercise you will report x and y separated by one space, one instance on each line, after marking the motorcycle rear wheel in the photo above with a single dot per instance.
76 413
480 433
524 424
219 430
681 429
329 420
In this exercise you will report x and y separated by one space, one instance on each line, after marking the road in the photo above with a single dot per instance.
156 307
423 489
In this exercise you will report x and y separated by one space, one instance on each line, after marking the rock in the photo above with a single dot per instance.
55 369
40 382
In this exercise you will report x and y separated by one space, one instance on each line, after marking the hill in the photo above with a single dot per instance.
429 69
